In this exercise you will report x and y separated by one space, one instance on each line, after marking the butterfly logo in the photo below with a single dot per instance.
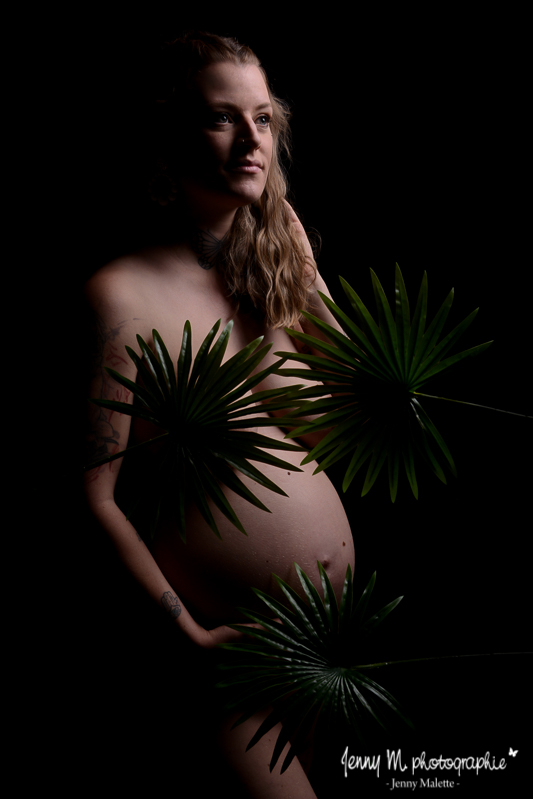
512 751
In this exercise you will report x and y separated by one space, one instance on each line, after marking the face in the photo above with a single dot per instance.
231 144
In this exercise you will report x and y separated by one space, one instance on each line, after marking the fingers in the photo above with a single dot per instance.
224 635
296 222
302 235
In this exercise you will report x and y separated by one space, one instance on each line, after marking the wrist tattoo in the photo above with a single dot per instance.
171 604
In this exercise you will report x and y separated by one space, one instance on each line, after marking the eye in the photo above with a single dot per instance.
263 120
220 118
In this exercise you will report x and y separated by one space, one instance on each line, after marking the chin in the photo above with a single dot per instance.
245 195
239 199
250 199
228 195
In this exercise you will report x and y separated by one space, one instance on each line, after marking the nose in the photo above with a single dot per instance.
249 135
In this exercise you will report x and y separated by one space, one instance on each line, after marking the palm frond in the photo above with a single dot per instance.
205 408
304 663
372 377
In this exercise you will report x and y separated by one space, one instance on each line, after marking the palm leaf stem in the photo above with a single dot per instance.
473 404
436 657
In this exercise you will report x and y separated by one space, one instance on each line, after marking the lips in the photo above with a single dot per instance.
246 167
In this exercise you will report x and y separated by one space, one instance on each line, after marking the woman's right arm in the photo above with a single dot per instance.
114 327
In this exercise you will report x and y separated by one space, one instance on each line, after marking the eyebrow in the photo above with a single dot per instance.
232 107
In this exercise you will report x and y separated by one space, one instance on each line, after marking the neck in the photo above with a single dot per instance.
207 232
217 217
206 246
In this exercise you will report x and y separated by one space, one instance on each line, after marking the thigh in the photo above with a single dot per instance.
251 769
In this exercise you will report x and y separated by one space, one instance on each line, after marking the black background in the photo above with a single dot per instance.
410 147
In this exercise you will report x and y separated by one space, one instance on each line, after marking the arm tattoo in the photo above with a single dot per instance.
207 247
171 604
103 438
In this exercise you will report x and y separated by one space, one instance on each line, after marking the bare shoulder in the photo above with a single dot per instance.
117 284
120 293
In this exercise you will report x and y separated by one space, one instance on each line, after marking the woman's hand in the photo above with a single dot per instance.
300 232
209 639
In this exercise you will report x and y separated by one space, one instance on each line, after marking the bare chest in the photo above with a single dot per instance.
168 310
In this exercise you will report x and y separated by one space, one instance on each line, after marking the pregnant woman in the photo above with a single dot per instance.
237 252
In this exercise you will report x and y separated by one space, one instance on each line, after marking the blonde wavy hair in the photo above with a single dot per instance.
263 256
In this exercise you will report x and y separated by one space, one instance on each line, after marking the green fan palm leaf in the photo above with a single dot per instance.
205 408
304 663
372 376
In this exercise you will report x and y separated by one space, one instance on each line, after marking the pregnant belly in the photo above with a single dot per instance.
214 577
